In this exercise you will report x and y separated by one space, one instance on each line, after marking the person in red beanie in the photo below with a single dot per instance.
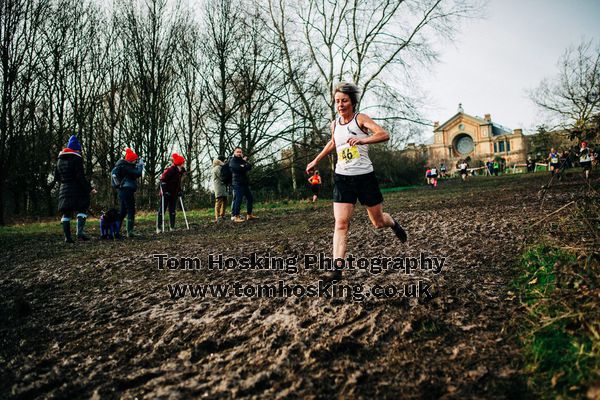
124 178
170 188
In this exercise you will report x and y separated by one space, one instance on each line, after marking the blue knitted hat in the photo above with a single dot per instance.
74 143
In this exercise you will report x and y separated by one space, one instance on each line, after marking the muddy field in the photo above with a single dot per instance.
96 320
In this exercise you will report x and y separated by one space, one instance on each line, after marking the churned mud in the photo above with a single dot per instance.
96 319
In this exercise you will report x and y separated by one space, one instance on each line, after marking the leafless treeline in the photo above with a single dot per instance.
163 76
571 99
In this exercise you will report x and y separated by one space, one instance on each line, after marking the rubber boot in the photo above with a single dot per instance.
172 221
130 224
80 226
66 225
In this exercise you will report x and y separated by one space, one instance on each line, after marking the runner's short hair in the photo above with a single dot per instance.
350 89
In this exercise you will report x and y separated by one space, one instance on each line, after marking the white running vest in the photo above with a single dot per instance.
584 155
352 160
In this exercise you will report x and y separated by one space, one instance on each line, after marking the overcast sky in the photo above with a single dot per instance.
496 59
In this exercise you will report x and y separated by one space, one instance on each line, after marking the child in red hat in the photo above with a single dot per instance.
124 176
170 188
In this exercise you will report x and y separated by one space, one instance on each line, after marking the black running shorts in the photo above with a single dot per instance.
315 189
586 165
349 188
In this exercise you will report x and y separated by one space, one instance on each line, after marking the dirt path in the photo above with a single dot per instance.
97 321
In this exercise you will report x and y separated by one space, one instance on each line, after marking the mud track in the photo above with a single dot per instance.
95 320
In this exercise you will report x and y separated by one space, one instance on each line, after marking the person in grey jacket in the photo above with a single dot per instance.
128 170
219 188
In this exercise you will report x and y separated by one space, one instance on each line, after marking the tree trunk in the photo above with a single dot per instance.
2 205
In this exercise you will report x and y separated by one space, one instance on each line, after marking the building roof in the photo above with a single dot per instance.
497 129
456 116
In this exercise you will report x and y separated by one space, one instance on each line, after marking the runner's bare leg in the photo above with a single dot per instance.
342 213
378 218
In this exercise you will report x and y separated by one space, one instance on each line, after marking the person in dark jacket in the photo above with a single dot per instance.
489 165
128 170
239 170
75 189
170 190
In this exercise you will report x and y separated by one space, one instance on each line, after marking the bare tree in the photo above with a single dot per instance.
20 25
75 74
572 99
151 35
190 106
108 142
304 87
222 29
259 85
371 42
145 74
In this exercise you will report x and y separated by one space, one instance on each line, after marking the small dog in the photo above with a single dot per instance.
110 224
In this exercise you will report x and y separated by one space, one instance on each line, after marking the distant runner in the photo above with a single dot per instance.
315 185
443 170
433 176
464 170
554 159
585 159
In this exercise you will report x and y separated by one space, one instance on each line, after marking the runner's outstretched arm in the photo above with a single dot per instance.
326 150
329 147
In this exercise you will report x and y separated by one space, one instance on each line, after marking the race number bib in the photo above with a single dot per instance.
349 154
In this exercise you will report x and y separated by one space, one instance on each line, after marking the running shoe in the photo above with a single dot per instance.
400 232
335 275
